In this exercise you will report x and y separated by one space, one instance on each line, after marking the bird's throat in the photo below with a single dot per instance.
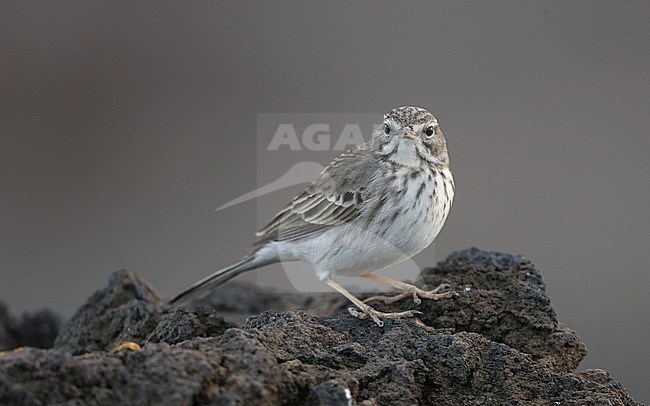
405 154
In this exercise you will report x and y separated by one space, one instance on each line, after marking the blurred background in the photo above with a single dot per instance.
123 125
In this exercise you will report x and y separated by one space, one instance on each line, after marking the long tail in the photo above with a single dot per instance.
247 263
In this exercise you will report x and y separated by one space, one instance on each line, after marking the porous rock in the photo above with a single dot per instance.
459 354
126 310
503 298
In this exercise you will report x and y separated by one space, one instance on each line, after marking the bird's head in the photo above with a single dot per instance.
409 135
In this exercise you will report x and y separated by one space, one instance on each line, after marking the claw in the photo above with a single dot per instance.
364 315
415 293
442 286
416 299
364 311
377 316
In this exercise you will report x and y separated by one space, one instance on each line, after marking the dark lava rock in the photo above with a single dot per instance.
35 330
498 342
178 324
129 310
236 301
503 298
126 310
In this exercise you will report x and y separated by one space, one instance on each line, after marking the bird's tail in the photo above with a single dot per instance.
247 263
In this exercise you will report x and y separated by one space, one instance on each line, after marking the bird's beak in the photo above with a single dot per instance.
408 133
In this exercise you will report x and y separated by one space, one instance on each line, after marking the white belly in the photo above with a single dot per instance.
379 238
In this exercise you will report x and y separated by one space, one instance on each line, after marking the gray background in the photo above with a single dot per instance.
125 124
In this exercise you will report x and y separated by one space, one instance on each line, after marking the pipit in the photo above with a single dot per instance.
377 204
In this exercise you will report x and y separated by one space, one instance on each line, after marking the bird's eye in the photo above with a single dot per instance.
429 131
386 129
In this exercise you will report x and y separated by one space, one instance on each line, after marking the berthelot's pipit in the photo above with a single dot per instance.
377 204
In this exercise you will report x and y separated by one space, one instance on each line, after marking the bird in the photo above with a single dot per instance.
377 204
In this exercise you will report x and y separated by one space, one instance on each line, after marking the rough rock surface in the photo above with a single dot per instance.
128 309
498 342
502 298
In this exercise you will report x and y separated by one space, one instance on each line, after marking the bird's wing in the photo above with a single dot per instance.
336 197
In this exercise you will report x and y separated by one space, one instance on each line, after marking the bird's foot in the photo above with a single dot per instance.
378 316
416 293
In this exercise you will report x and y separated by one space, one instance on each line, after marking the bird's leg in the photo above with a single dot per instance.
408 290
367 311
